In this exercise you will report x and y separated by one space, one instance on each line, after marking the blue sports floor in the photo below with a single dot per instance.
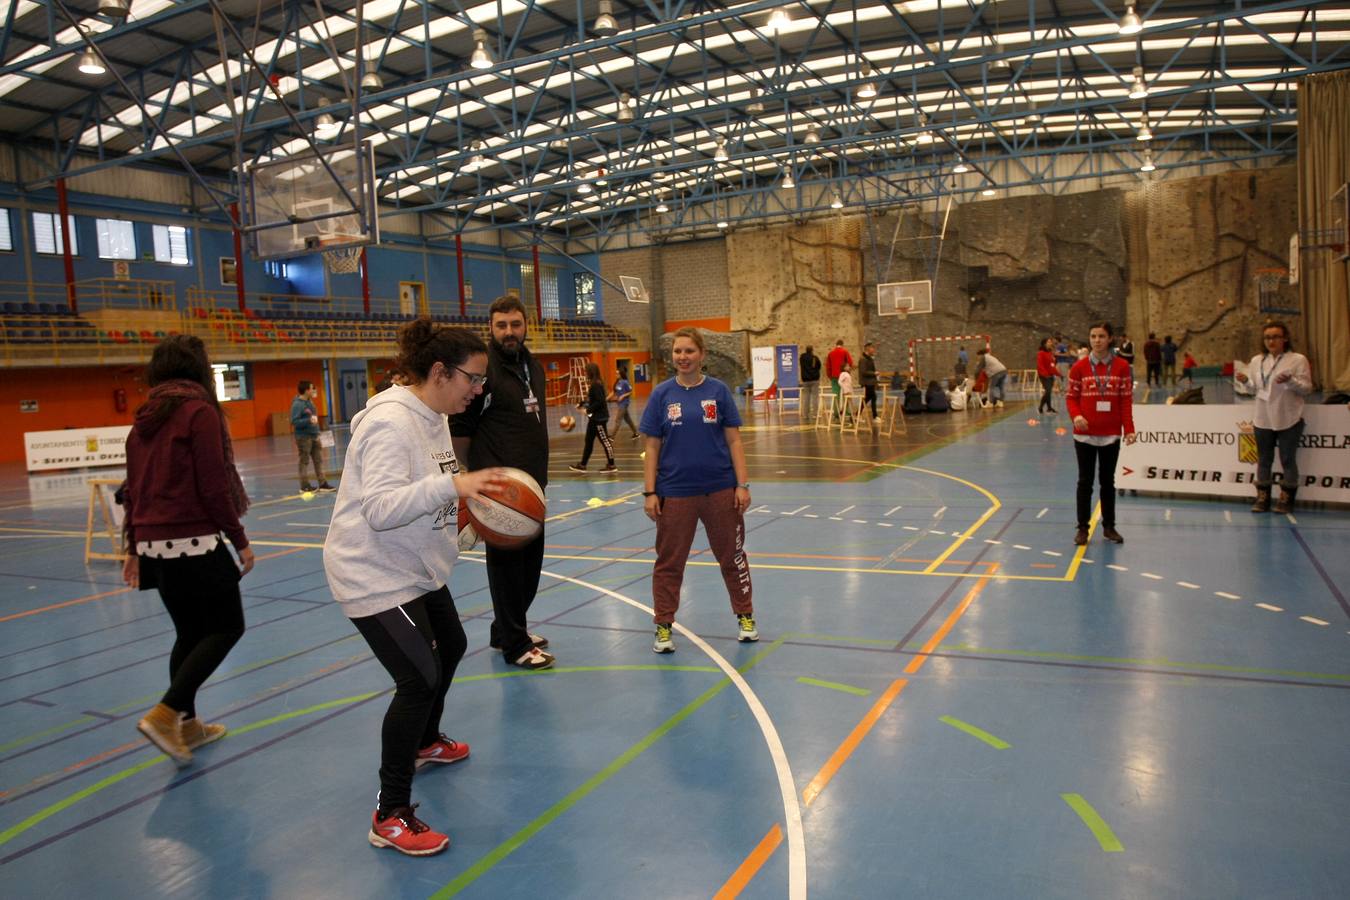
947 700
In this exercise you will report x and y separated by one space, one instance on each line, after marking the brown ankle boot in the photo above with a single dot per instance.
163 727
196 732
1262 503
1285 503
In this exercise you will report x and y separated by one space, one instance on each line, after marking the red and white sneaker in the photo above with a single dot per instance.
442 750
406 833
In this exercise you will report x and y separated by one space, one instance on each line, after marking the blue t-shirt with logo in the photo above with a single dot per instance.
695 458
623 392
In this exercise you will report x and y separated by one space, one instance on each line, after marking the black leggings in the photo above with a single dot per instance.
201 594
1103 459
420 644
1047 388
595 430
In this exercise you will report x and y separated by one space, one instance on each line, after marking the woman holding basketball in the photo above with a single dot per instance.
695 472
390 548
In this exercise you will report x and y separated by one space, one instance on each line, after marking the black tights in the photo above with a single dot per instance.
1103 459
420 644
595 430
201 594
1047 387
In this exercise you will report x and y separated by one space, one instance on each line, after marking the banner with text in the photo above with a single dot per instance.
761 369
1212 450
75 448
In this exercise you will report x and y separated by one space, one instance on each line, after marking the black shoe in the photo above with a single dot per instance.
307 487
326 487
1112 535
577 467
1080 536
610 468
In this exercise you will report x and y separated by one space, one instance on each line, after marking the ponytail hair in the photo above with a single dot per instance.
422 343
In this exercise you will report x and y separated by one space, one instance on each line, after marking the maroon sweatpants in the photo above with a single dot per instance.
675 535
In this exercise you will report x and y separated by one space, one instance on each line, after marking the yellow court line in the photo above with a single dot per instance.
1072 572
615 502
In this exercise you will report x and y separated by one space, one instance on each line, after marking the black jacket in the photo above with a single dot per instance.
505 432
596 406
867 371
810 364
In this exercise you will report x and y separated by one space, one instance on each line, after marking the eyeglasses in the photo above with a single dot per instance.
475 380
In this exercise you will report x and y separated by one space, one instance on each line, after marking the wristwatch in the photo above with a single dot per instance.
649 493
746 485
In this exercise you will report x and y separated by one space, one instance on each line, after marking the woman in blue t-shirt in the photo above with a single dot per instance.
695 472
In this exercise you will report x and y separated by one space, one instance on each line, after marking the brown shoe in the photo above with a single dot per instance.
1285 503
1112 535
1262 503
163 727
196 733
1080 537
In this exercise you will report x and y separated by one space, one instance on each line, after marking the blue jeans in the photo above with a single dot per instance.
1286 441
996 385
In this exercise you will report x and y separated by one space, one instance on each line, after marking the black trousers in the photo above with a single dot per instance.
420 644
1153 373
870 396
513 579
595 430
201 594
1047 388
1103 459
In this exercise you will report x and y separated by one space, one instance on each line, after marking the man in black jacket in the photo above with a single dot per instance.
506 425
810 380
867 375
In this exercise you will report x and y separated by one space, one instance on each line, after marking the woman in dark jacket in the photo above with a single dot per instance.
597 412
936 399
182 493
913 399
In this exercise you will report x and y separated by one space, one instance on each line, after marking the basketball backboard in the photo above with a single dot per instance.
903 298
633 289
300 205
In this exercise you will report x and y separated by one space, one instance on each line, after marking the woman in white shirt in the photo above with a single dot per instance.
1280 379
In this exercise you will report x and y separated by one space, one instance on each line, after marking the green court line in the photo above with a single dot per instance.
66 802
1120 660
1100 830
19 742
835 686
996 743
517 840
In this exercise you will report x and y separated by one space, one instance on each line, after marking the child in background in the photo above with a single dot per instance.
845 392
1187 364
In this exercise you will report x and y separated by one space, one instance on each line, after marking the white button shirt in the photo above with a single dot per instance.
1279 404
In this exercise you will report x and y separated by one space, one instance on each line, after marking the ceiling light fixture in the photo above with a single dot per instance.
868 89
721 153
723 224
961 168
625 107
788 183
1033 113
325 126
114 9
779 20
1129 23
371 81
836 202
756 105
1138 89
1145 132
988 191
476 161
661 206
480 58
605 25
812 135
90 64
600 178
1148 165
584 188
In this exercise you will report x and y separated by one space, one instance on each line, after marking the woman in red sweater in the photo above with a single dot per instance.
182 492
1100 399
1046 372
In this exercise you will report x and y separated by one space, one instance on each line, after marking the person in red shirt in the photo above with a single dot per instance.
1046 372
181 495
1100 399
1188 364
835 361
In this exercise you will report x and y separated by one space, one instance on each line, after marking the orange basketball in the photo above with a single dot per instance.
567 423
508 515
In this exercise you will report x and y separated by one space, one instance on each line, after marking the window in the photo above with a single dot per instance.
6 237
171 244
232 381
585 285
277 268
47 234
116 239
548 287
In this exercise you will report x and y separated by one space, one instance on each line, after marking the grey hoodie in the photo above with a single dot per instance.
393 536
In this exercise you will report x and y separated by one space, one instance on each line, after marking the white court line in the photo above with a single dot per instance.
797 510
1151 575
1116 567
1021 546
941 510
786 784
1187 584
1227 515
891 510
761 509
884 525
835 519
306 524
1042 512
860 522
992 541
943 533
1290 517
1086 561
845 509
1269 607
1167 515
909 527
1226 595
810 516
1052 553
1313 621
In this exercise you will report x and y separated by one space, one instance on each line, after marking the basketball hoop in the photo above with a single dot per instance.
344 259
903 309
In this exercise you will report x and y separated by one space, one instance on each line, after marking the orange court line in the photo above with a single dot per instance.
753 863
77 600
917 662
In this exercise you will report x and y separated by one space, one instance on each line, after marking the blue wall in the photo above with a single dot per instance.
489 271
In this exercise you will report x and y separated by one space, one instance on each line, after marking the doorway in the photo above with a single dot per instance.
354 393
412 298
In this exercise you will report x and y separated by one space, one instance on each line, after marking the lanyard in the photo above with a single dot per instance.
1101 383
1265 376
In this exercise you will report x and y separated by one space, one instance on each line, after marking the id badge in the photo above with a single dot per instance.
1103 406
1263 394
532 404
